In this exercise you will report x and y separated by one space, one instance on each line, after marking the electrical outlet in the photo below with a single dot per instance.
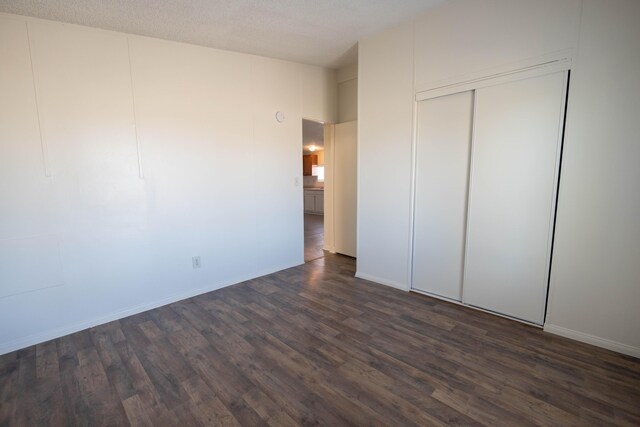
196 262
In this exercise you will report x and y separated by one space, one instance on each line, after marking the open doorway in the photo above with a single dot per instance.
313 160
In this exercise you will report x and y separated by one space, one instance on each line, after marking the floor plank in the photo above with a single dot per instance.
313 237
315 345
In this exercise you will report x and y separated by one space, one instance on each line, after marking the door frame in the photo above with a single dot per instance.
328 183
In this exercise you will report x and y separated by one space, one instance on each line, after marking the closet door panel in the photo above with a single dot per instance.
512 195
444 138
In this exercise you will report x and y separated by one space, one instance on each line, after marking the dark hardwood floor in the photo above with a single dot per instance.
313 237
314 345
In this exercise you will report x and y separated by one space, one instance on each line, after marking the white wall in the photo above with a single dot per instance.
595 290
463 38
595 280
347 78
319 93
385 109
150 154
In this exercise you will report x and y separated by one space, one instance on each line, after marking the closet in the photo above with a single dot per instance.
487 163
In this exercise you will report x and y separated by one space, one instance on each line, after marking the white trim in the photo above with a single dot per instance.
265 272
460 303
436 296
560 55
332 189
549 67
593 340
380 281
329 214
61 331
85 324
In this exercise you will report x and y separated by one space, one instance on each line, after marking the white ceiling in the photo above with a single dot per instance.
312 134
318 32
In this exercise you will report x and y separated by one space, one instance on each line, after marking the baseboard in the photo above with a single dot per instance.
120 314
593 340
272 270
381 281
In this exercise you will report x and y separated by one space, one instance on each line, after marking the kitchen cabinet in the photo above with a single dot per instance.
308 161
314 201
309 201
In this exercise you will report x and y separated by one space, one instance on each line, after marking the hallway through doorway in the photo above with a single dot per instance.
313 237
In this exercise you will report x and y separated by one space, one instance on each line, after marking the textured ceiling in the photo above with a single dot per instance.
318 32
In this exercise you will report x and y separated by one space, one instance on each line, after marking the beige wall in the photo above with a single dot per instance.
594 291
123 157
347 78
595 280
384 155
319 93
348 101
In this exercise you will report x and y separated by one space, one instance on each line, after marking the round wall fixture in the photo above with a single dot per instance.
280 116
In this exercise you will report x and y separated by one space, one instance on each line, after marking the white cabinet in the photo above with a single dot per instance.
309 201
314 201
319 199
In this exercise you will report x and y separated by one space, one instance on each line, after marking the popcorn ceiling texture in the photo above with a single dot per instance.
316 32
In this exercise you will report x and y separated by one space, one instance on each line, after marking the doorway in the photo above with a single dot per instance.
313 174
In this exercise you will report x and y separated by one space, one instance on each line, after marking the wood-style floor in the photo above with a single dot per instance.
313 237
313 345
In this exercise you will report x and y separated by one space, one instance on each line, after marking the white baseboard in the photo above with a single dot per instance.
271 270
41 337
381 281
593 340
557 330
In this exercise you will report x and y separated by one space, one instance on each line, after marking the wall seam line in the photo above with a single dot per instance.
43 142
135 117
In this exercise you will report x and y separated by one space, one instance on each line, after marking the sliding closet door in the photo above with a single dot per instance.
512 195
444 138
